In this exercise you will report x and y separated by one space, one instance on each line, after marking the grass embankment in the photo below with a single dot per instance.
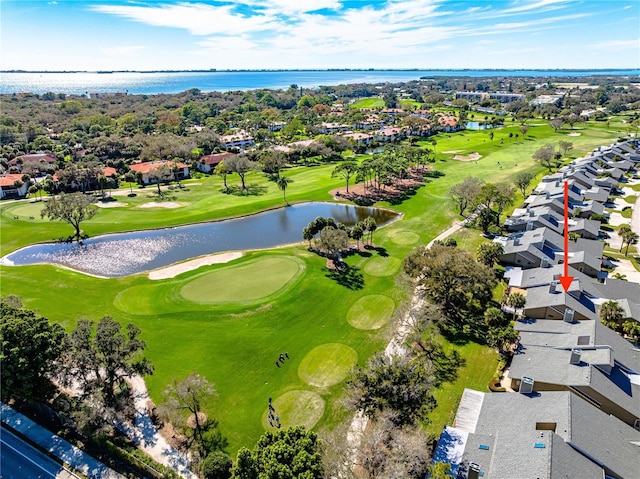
231 331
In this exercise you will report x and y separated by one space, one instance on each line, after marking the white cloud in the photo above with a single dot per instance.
528 6
617 45
198 18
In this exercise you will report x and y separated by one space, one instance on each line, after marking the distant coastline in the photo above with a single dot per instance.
251 70
177 81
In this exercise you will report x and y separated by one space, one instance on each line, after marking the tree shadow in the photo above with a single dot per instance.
348 276
378 249
250 190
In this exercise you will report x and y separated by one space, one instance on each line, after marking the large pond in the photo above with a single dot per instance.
123 254
476 125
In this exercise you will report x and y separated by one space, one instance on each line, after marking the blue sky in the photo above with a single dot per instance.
143 35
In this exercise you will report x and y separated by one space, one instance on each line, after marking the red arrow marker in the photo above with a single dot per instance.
565 279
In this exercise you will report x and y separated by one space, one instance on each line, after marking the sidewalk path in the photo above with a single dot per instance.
146 436
66 452
395 346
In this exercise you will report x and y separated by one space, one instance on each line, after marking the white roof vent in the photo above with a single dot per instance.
576 353
526 385
568 315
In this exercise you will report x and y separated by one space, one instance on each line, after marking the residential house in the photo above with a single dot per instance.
39 162
554 435
180 171
543 246
545 298
331 128
8 189
545 217
584 357
239 139
207 163
359 138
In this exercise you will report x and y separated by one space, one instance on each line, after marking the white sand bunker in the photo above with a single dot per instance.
110 204
176 269
162 204
475 156
574 134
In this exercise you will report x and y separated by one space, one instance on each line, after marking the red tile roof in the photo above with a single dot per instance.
215 159
108 171
149 165
35 158
8 180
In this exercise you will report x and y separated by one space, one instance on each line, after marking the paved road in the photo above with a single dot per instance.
19 460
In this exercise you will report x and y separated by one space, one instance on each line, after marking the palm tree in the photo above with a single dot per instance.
370 226
516 301
629 237
282 183
611 314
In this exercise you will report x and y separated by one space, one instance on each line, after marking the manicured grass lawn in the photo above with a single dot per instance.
368 103
231 322
480 366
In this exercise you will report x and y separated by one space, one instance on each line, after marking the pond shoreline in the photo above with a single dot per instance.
140 251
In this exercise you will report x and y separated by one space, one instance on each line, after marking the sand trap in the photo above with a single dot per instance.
176 269
451 151
475 156
110 204
164 204
574 134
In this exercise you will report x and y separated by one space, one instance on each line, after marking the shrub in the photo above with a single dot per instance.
216 465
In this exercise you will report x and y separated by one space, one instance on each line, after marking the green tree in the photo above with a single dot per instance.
283 182
216 465
289 453
489 253
632 329
160 173
345 170
629 237
370 226
453 280
464 194
333 241
564 146
70 208
222 171
102 361
545 155
516 301
31 347
182 406
439 470
397 384
241 165
522 182
611 314
130 177
357 232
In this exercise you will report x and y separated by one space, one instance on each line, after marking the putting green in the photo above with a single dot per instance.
370 312
244 283
404 237
327 364
296 408
382 266
27 210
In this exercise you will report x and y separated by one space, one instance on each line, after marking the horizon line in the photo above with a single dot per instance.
227 70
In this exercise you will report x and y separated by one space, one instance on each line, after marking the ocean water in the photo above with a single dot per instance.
176 82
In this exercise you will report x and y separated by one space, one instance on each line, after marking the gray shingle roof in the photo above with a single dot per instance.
511 441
